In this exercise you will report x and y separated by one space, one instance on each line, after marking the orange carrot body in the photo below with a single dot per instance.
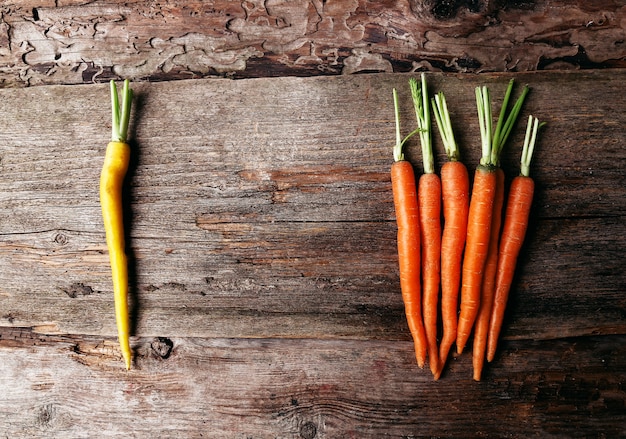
455 196
407 218
477 245
429 198
489 281
513 233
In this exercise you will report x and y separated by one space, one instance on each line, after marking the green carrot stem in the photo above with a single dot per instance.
483 104
398 153
505 103
506 122
512 118
419 94
120 117
529 145
442 118
397 149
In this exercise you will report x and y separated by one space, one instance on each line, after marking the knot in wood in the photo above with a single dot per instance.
308 430
61 239
162 347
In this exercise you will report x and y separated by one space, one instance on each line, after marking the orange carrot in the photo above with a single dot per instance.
407 218
488 284
429 197
455 197
429 200
478 225
477 243
481 207
500 136
514 230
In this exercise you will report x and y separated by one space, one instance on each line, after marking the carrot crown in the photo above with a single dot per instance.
506 122
398 153
483 104
120 116
493 141
419 94
442 118
529 145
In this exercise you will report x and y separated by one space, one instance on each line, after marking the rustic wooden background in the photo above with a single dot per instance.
261 228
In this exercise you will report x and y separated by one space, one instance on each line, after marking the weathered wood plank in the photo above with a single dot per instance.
54 386
261 230
289 281
79 41
257 217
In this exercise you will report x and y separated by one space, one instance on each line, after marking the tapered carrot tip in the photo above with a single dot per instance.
420 361
437 373
440 367
126 355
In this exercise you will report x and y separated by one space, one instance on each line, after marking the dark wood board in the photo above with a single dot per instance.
262 244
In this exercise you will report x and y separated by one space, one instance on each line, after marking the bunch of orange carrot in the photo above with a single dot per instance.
452 241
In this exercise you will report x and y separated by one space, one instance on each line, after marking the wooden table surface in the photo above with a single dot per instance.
261 231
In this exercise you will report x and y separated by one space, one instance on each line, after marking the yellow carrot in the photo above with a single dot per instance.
111 184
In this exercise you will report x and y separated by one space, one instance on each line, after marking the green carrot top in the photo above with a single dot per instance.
398 153
121 117
493 141
442 118
483 105
419 94
506 122
529 145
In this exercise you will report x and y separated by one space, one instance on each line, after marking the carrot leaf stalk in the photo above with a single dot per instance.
529 144
398 153
419 94
120 116
112 177
483 104
442 119
499 135
506 122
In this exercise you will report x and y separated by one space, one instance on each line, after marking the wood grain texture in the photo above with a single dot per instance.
306 389
264 281
256 217
78 41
